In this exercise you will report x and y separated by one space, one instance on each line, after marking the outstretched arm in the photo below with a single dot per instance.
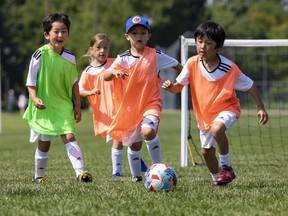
172 87
108 75
178 68
260 106
85 93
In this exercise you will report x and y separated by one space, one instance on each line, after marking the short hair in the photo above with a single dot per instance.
49 19
213 31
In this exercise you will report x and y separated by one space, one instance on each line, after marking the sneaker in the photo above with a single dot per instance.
230 170
226 176
38 180
143 166
117 175
85 176
136 178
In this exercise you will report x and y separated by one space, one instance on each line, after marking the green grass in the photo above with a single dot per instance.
261 188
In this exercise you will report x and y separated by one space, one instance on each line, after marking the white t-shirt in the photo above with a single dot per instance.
243 83
35 65
93 71
163 61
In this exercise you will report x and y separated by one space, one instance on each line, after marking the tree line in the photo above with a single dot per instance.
21 32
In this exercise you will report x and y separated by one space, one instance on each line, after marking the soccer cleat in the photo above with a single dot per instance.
85 176
143 166
136 178
230 170
38 180
226 176
117 175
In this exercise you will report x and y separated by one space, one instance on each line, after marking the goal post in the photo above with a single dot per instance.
185 43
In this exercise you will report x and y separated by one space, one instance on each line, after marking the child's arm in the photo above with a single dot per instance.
172 87
33 96
108 75
178 68
85 93
253 91
77 102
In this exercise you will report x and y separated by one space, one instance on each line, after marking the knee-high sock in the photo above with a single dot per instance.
224 160
117 158
75 156
134 159
154 149
41 160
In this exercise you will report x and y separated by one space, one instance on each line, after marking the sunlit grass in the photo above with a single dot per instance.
260 188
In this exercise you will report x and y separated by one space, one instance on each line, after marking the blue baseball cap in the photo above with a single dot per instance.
137 20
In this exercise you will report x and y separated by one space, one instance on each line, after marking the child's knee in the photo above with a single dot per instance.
136 146
217 129
208 152
148 133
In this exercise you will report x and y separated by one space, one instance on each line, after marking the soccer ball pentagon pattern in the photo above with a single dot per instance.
160 177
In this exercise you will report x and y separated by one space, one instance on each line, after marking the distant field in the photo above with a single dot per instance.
261 187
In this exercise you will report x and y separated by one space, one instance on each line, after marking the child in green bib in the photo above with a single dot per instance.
54 100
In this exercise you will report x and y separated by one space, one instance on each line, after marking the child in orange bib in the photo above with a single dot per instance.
137 94
213 80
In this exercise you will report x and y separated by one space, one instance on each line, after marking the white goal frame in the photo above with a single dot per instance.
184 45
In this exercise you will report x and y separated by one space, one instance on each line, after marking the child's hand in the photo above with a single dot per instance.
120 73
95 92
77 114
263 116
167 84
39 103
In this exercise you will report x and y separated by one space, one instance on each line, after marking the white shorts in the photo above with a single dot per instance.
228 118
109 139
35 136
133 136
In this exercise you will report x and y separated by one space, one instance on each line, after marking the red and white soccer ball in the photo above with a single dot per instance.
160 177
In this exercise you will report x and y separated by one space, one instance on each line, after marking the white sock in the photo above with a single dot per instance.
75 156
154 149
41 160
134 159
224 160
117 157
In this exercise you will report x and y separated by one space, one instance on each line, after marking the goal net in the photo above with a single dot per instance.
265 61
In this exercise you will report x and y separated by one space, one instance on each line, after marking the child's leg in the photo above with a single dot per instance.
74 153
218 130
41 158
117 158
210 160
149 126
134 159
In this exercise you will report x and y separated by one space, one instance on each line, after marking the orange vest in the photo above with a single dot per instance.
209 98
102 105
138 95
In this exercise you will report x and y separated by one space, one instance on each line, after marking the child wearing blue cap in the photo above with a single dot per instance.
137 94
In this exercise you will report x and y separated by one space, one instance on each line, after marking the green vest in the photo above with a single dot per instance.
54 87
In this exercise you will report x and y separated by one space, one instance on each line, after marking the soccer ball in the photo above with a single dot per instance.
160 177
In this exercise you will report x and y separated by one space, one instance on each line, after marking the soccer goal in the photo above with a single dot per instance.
266 62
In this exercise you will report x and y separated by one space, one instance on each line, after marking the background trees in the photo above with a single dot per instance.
21 31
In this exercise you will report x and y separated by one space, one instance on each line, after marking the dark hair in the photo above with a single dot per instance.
213 31
49 19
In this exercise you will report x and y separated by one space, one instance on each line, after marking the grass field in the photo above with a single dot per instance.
260 188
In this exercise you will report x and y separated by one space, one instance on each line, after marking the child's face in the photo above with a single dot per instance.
57 36
206 47
138 36
100 51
